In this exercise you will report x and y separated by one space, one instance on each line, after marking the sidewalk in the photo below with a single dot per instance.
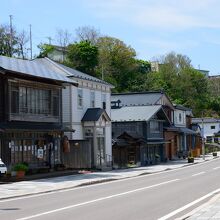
57 183
209 210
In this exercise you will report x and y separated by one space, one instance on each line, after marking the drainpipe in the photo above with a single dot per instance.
70 109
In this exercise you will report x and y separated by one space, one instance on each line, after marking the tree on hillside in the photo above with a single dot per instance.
83 56
87 33
22 40
13 43
45 49
182 82
116 60
8 42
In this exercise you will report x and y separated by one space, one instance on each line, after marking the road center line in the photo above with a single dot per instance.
189 205
96 200
216 168
197 174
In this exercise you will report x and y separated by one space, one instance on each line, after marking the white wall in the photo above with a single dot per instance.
72 114
177 117
207 128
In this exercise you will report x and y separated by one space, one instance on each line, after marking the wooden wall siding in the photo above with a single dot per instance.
131 127
170 148
80 155
2 95
154 135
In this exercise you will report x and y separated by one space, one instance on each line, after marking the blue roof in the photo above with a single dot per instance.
37 67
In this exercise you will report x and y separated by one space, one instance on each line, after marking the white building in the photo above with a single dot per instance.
86 111
210 125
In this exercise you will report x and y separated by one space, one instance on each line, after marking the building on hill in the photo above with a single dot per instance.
58 53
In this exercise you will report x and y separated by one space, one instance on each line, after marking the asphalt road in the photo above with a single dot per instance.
165 195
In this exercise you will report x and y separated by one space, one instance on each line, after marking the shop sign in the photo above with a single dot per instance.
40 153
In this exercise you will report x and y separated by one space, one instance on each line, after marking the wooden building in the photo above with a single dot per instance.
31 112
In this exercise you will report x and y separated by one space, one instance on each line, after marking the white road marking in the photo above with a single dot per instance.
216 168
97 200
197 174
73 188
189 205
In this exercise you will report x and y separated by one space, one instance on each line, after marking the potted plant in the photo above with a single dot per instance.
190 159
20 169
157 158
214 154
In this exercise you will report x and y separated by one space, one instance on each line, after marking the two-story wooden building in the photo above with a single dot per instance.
138 134
87 110
31 112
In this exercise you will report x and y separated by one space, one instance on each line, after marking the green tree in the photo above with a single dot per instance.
45 49
116 60
83 56
8 41
182 82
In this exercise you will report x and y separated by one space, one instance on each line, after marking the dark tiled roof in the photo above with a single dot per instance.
93 114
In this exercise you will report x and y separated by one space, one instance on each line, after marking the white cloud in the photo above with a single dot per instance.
167 14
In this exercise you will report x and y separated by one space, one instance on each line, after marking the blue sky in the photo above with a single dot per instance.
152 28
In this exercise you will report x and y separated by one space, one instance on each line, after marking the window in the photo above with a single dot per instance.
80 98
212 126
180 117
104 101
154 127
29 100
92 99
14 99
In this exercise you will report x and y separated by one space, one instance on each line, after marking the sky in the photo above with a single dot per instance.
152 27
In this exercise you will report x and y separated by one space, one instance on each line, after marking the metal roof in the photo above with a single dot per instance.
150 98
37 68
77 74
134 113
205 120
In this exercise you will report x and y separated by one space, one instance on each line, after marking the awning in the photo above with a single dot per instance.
171 128
158 142
186 131
32 126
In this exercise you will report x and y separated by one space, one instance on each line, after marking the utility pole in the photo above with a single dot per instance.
102 73
11 33
31 41
203 139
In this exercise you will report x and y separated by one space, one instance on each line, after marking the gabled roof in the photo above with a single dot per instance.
70 72
34 68
205 120
150 99
141 98
136 113
93 114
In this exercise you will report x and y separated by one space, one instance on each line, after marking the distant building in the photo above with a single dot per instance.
204 72
58 54
210 125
